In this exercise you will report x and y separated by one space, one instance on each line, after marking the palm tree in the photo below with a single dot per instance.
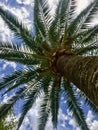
62 52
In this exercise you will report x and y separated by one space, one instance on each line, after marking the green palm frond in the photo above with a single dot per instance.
70 10
58 24
54 27
17 27
44 112
86 49
37 22
54 100
91 14
46 81
91 105
45 103
62 18
87 37
5 107
17 78
91 35
16 53
42 17
34 91
74 107
77 24
22 77
29 101
88 102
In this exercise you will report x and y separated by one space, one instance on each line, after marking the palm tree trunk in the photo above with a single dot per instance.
83 72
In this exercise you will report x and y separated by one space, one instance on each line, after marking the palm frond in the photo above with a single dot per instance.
90 35
70 11
45 103
86 49
5 107
63 14
22 77
38 24
46 81
44 112
58 22
74 107
31 93
77 24
17 78
29 101
88 102
91 14
54 100
18 28
42 17
17 53
45 14
91 105
87 37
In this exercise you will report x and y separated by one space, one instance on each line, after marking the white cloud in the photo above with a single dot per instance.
2 75
62 116
89 118
5 98
73 123
49 125
94 125
22 14
11 64
5 33
26 2
53 4
82 4
78 128
24 124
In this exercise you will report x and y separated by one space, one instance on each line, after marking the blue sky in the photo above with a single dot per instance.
24 11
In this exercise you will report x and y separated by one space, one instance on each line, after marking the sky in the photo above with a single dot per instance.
23 10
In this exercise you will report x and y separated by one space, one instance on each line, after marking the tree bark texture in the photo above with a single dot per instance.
83 72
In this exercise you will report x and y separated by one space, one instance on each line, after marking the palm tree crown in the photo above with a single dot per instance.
63 33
